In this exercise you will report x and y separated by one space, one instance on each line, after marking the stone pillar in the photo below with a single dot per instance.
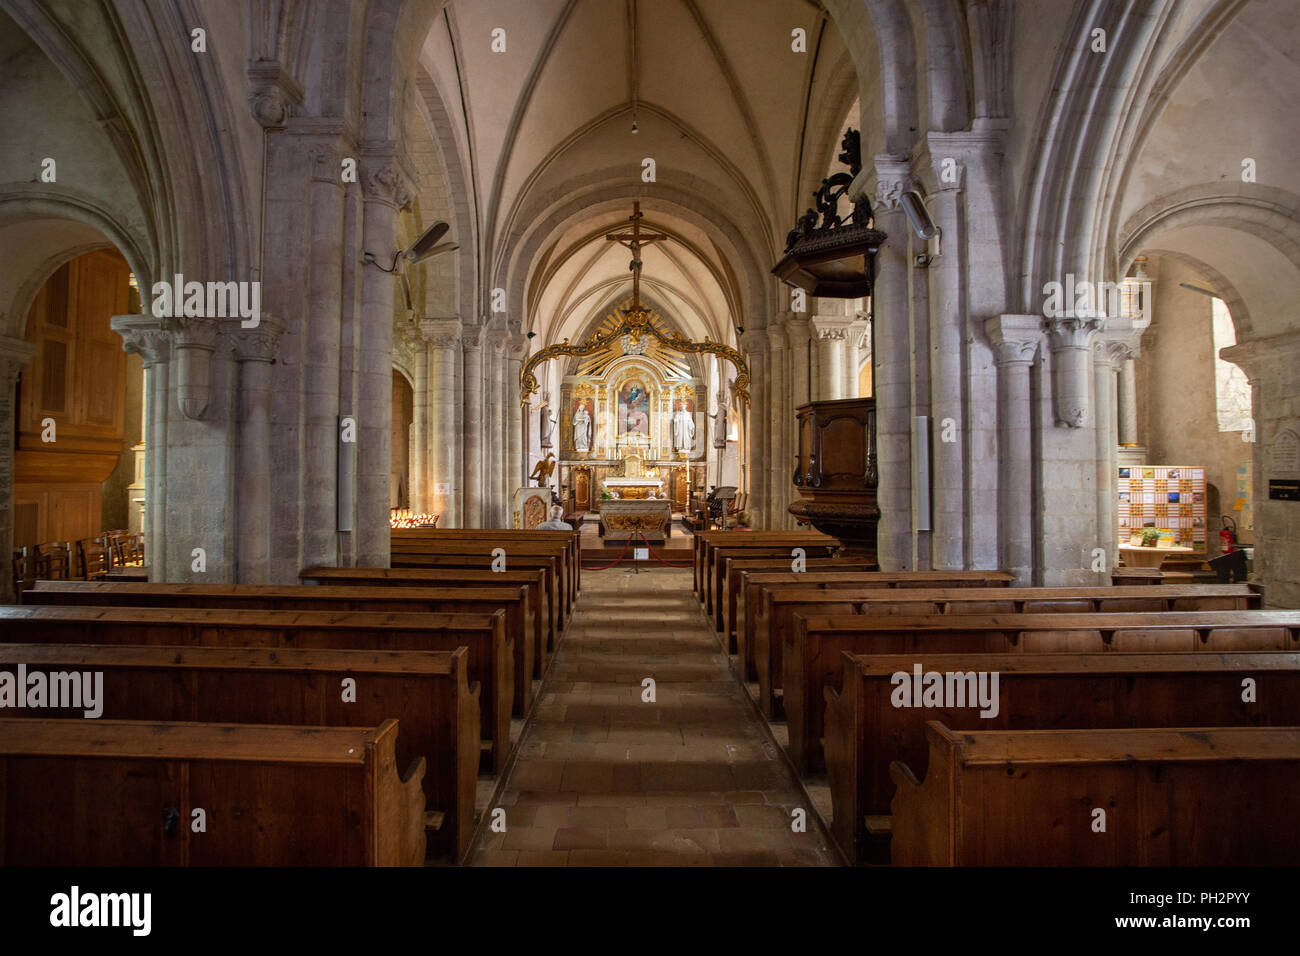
14 355
1127 398
321 325
1107 357
852 358
494 375
472 344
894 372
254 350
754 346
442 486
143 336
516 354
1015 340
780 411
832 332
386 191
1271 365
421 490
799 335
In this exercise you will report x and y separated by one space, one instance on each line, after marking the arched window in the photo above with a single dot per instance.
1231 387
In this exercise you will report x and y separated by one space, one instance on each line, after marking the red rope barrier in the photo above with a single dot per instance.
669 564
605 567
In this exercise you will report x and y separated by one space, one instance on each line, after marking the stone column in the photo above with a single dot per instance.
1271 365
1016 340
387 190
852 357
14 355
799 335
472 344
754 346
320 324
143 336
254 350
497 507
442 487
1127 398
832 333
780 411
894 372
422 488
1107 357
516 353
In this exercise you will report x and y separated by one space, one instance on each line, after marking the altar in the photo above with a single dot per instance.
634 488
624 520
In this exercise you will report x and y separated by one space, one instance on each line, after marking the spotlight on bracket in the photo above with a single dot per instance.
532 335
425 247
918 216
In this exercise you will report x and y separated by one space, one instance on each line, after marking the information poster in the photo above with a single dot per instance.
1172 498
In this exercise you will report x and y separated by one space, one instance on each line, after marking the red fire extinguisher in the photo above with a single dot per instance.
1228 536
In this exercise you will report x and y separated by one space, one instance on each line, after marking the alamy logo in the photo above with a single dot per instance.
1096 300
55 690
208 300
103 909
947 690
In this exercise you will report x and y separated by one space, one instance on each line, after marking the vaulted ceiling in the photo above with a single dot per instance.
721 103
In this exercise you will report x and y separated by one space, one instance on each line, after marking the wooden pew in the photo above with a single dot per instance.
719 556
571 540
865 732
534 582
776 619
702 545
448 556
427 691
1172 797
491 656
733 566
772 619
512 600
813 661
120 793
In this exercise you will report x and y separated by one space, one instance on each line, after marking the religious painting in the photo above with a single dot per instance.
634 409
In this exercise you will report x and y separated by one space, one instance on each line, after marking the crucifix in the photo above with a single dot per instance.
634 241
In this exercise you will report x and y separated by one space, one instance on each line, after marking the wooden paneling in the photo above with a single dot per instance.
78 378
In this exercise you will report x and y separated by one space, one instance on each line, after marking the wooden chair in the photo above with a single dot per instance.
54 560
93 558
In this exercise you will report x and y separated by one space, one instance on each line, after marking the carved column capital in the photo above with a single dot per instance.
441 333
1110 353
517 346
14 356
1015 338
832 327
143 335
273 95
471 338
799 331
1070 338
384 179
893 178
754 342
1072 332
256 345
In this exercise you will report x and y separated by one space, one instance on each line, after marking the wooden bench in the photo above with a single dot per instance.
702 546
723 557
491 655
428 692
775 622
570 540
733 567
449 557
1172 797
763 648
865 731
534 582
121 793
512 600
813 661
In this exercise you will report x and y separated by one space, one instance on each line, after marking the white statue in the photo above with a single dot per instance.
547 425
582 429
683 428
720 424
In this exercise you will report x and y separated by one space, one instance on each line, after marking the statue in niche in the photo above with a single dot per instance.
684 426
547 424
582 426
720 423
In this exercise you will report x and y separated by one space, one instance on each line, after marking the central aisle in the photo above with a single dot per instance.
603 778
